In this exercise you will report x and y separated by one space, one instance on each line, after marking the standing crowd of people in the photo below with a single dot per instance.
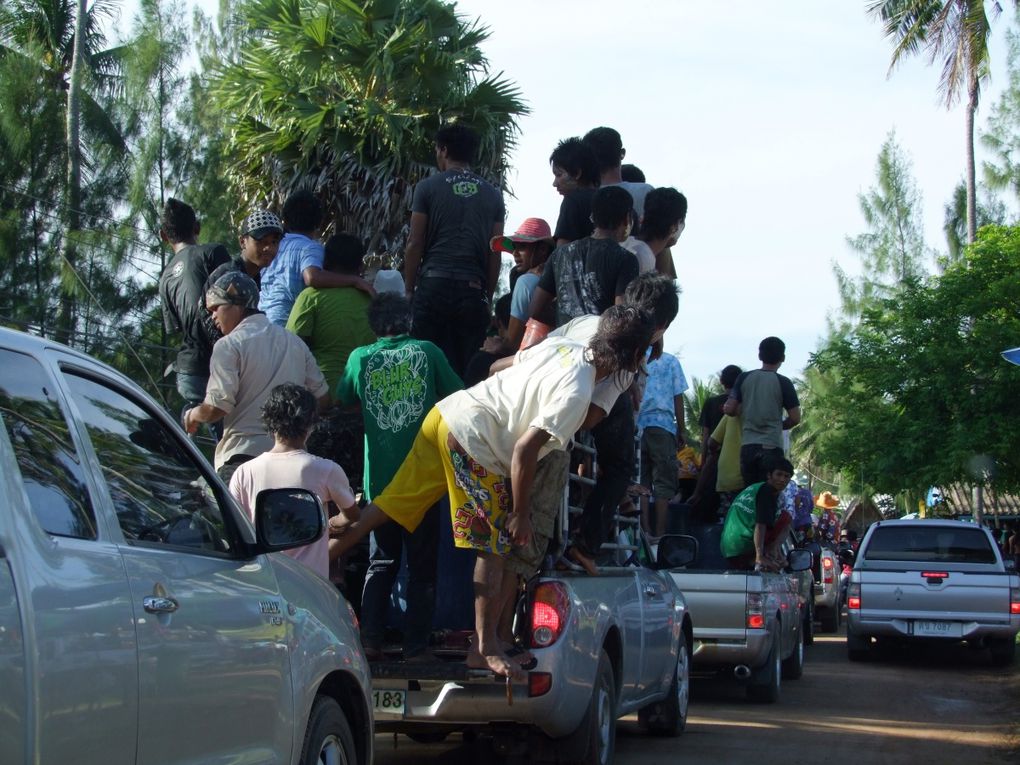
412 392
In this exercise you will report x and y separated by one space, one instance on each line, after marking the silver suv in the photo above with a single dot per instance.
142 617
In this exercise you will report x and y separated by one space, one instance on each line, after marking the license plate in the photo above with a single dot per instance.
938 629
389 702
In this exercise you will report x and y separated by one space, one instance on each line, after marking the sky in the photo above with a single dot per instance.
767 114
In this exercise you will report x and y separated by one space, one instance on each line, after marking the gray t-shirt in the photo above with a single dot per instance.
462 209
763 395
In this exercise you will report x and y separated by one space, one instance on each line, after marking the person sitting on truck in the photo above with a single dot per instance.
755 525
482 444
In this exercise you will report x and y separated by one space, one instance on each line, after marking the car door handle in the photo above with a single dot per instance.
652 591
157 605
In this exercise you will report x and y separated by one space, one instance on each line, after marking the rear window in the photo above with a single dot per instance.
930 543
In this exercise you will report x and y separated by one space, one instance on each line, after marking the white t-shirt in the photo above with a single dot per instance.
582 330
549 387
295 469
643 253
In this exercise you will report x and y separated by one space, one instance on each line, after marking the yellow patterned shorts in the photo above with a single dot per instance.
437 465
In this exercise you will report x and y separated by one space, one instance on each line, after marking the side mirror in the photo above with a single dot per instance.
286 518
1010 564
676 551
799 560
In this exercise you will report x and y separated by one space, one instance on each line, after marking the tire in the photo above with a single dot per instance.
328 738
669 716
598 727
1003 650
809 625
765 680
858 647
830 620
793 665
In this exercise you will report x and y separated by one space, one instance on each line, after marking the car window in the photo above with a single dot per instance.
930 544
160 494
51 471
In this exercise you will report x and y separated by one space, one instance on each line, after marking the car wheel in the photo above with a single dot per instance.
599 724
328 739
669 716
793 665
765 680
857 646
1003 650
809 624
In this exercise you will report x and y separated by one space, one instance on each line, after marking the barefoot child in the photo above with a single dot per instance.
477 443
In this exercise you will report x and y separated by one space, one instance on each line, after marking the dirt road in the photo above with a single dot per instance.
905 707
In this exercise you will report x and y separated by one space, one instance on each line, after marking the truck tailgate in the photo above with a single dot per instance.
716 601
916 594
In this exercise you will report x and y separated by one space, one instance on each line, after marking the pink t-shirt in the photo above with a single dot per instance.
300 470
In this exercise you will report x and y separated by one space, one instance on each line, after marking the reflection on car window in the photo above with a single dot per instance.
51 472
931 544
160 494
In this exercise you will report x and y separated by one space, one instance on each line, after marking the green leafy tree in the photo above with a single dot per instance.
695 398
919 394
990 212
345 96
892 250
955 34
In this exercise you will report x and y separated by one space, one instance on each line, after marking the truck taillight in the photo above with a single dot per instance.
1014 601
549 611
853 597
827 567
755 611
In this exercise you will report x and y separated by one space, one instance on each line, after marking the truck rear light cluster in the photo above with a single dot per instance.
827 568
853 597
755 612
550 609
539 683
1014 601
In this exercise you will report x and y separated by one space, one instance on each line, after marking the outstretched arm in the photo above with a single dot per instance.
522 476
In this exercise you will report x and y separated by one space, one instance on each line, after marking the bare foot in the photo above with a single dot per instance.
583 561
497 663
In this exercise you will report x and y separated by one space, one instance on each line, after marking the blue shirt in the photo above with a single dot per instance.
283 280
666 380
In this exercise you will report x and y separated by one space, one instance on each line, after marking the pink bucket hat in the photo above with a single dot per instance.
532 230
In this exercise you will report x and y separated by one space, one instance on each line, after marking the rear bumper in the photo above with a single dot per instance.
903 627
826 597
726 649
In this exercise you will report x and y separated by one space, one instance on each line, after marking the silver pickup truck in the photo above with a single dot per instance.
143 619
932 580
748 624
606 646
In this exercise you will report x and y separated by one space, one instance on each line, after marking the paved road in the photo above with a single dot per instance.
908 706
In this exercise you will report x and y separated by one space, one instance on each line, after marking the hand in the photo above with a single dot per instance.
493 345
189 422
519 527
365 287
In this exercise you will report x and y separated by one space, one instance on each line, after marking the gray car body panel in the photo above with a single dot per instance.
93 678
895 595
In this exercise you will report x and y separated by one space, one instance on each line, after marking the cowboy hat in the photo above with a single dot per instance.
827 501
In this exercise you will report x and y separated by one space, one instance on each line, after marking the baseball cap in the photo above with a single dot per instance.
260 223
532 230
233 288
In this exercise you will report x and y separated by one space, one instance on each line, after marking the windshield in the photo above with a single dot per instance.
930 543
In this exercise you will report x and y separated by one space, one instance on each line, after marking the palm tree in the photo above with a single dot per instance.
954 32
345 96
699 392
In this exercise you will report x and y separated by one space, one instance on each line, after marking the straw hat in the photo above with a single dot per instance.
532 230
827 501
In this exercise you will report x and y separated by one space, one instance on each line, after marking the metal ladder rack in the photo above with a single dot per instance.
583 444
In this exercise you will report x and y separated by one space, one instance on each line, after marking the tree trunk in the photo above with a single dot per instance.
972 103
72 195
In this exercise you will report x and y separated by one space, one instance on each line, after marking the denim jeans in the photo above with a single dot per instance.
452 314
389 541
614 444
192 390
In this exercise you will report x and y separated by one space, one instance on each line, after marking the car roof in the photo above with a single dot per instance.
35 345
915 522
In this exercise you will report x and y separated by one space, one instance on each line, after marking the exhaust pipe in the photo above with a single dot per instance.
742 672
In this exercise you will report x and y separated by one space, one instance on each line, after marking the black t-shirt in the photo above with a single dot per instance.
586 276
462 209
766 505
712 412
182 296
575 216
